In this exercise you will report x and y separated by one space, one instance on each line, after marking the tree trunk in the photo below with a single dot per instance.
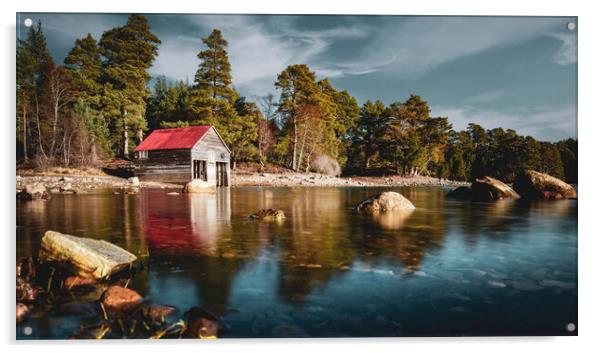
140 136
294 165
93 153
54 124
39 129
25 133
126 151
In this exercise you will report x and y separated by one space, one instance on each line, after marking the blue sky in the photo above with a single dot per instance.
513 72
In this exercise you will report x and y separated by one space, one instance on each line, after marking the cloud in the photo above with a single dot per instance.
420 44
257 54
487 97
567 53
551 122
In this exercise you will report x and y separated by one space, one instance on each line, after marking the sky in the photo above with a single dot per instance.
513 72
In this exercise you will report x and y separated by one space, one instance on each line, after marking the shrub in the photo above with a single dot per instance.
326 165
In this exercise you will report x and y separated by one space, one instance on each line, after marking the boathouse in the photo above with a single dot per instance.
180 155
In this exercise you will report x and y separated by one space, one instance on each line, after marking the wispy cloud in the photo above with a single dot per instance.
421 44
487 97
567 53
546 122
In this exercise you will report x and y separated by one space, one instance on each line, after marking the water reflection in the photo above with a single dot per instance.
205 251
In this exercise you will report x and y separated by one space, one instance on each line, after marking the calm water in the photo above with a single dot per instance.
448 268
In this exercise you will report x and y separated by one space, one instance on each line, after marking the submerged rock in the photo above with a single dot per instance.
201 324
461 193
86 257
121 299
22 312
34 191
385 202
491 189
198 186
158 312
269 214
539 186
26 268
25 291
73 282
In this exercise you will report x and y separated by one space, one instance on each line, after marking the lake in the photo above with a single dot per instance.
448 268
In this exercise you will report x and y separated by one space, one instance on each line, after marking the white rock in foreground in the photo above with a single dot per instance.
87 257
198 186
385 202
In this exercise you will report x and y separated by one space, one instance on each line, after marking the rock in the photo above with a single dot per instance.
34 191
25 291
73 282
67 187
131 190
158 312
134 181
22 312
201 324
491 189
198 186
26 268
539 186
385 202
269 214
461 193
121 299
87 257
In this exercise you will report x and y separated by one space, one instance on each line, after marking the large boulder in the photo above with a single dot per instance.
491 189
34 191
198 186
461 193
86 257
385 202
539 186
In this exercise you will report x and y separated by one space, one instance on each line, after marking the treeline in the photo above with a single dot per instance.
97 105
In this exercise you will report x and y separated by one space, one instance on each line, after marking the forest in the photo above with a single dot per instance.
101 102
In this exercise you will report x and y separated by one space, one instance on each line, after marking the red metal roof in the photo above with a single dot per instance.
176 138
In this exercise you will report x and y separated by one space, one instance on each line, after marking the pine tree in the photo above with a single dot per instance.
32 59
84 65
214 73
128 51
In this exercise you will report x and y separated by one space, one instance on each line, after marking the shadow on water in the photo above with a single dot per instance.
446 268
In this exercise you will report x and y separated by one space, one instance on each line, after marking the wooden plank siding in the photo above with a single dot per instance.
172 166
176 165
211 145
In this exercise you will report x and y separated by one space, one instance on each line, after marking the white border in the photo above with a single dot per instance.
590 129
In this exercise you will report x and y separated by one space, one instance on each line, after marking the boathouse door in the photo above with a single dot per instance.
221 176
199 169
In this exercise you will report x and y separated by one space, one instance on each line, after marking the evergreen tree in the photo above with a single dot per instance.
213 76
568 153
368 134
32 59
84 65
128 51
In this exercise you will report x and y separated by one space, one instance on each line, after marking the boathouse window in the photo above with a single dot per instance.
142 154
199 170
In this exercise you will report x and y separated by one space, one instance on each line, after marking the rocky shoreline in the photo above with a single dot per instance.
290 179
78 184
